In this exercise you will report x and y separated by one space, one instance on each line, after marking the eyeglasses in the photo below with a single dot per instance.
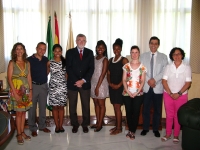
178 54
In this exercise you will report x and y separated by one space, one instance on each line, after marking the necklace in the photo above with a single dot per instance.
113 60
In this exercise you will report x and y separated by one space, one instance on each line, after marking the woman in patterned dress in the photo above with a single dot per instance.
99 84
114 76
133 80
57 87
20 82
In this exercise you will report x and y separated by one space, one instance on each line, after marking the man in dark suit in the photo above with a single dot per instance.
80 68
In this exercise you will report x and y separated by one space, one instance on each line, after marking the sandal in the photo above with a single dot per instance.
111 130
116 131
132 136
175 140
19 141
26 137
165 138
128 134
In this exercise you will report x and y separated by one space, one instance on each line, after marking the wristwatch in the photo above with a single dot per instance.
179 93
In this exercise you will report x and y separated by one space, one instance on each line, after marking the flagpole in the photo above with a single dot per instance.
70 40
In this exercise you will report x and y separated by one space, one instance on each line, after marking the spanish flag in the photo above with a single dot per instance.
56 39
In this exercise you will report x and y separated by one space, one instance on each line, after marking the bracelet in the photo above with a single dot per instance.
180 93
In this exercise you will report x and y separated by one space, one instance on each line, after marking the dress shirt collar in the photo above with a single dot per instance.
155 54
80 49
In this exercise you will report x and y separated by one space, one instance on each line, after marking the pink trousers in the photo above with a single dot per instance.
171 109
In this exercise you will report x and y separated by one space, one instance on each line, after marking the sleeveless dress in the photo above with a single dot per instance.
20 82
116 73
57 84
103 89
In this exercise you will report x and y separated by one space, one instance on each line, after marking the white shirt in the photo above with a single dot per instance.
176 77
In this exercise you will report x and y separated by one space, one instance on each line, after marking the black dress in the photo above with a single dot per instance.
116 73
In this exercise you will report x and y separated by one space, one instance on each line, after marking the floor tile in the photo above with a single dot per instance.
93 140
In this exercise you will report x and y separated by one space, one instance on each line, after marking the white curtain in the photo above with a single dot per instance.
134 21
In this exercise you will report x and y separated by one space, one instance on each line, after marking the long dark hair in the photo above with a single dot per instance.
62 58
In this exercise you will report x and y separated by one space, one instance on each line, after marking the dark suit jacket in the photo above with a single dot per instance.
79 69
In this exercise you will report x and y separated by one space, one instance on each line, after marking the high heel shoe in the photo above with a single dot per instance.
26 137
98 129
20 142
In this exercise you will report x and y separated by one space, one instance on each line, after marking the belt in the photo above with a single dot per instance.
37 83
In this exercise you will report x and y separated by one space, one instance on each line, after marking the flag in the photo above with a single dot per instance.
49 40
56 39
70 41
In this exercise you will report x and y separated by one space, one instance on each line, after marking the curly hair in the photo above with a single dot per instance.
14 55
173 51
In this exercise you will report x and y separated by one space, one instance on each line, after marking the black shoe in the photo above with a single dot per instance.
85 129
74 129
57 130
98 129
144 132
156 133
93 126
62 130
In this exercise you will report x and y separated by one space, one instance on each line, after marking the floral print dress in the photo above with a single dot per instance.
133 78
20 82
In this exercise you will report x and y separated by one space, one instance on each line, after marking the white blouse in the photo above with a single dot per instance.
176 77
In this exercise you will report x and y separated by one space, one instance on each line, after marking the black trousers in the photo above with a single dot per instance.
132 106
156 99
85 105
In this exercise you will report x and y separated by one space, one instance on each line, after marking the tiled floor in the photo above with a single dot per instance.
92 141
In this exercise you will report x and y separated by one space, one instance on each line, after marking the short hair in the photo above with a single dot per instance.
135 47
118 42
173 51
13 52
154 38
40 43
101 42
80 35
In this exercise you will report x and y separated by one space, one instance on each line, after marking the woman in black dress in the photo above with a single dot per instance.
114 76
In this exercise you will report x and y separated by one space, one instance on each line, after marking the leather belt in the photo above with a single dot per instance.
37 83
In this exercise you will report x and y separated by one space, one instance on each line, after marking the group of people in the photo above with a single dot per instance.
146 79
